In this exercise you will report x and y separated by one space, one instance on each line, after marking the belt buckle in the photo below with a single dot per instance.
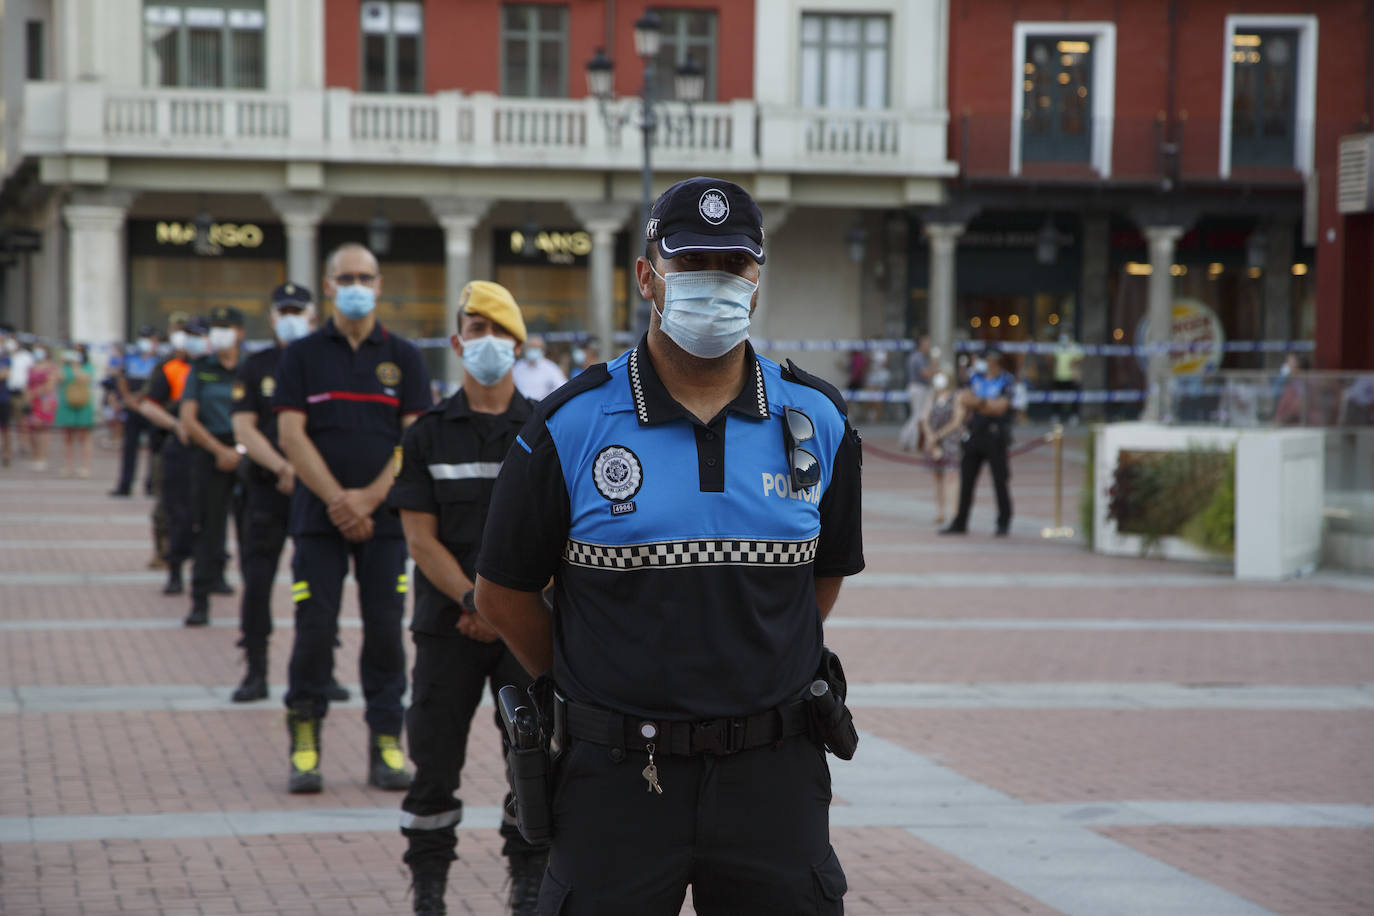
717 736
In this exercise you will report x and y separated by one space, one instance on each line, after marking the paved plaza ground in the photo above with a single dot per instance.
1043 730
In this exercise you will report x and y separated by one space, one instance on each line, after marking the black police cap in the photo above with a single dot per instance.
197 325
706 214
226 315
291 295
147 330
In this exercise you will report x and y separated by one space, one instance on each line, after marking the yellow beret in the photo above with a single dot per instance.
494 301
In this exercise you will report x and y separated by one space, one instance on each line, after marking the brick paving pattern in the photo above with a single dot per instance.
103 758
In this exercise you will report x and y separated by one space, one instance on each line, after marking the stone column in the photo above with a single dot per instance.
1278 287
300 214
1162 240
602 220
1094 307
774 218
943 238
458 216
97 312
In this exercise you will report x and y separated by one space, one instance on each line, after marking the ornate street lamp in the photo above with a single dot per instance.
379 234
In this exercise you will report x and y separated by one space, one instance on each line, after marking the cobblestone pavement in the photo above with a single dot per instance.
1044 730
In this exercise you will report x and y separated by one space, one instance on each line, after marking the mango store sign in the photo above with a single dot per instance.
1196 336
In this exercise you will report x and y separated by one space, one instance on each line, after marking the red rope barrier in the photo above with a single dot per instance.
870 449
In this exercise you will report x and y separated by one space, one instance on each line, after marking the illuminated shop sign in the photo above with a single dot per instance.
222 235
564 247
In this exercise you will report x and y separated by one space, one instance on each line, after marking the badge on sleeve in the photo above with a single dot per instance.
268 386
617 473
237 391
396 461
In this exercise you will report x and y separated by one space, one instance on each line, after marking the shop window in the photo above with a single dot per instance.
207 45
844 61
534 50
1062 94
1264 80
393 46
687 35
1056 111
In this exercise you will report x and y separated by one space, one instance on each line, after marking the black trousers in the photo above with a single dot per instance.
450 673
318 568
265 515
213 502
135 425
749 832
175 499
992 448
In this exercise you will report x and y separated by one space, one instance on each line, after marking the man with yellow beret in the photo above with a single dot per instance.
448 465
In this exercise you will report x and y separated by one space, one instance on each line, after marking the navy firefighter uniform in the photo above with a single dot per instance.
448 468
354 402
987 441
686 622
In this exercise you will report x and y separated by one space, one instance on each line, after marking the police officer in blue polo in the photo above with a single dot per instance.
344 395
268 481
697 506
988 401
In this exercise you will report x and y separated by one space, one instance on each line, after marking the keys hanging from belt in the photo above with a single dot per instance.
650 773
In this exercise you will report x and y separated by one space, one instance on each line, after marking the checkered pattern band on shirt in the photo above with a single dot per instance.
662 554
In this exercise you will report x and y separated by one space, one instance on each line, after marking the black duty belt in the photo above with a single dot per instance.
726 735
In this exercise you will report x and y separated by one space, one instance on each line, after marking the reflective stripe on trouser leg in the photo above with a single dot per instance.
432 821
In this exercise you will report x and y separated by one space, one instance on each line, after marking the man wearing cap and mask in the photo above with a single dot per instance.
205 415
268 480
697 506
172 517
344 396
988 403
131 371
442 489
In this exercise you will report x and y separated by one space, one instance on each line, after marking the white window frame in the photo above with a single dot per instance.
1305 110
1103 36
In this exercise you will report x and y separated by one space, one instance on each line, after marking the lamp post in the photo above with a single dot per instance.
689 86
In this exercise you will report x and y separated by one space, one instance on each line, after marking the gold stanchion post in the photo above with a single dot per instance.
1056 438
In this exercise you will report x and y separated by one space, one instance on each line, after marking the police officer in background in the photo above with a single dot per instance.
205 408
988 403
698 507
172 477
344 396
131 372
443 487
268 480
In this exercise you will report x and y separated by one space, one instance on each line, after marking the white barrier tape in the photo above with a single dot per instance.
1121 396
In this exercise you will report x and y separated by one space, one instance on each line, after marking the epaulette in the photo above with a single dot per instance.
589 378
793 373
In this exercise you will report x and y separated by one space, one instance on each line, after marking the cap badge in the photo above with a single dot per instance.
713 206
290 289
617 473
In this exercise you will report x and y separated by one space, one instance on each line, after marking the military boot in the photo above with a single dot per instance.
386 763
428 887
304 729
526 875
200 612
254 686
174 585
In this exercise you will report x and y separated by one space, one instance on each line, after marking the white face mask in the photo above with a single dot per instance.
534 354
195 345
145 345
980 365
178 340
40 353
940 381
222 339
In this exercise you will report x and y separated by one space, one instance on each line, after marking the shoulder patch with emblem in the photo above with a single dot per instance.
389 374
237 392
617 473
268 386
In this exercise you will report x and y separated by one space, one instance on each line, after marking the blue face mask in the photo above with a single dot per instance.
292 327
196 346
356 301
706 312
488 359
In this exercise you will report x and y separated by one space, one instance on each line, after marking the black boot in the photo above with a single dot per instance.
337 692
428 889
200 612
526 875
254 686
304 729
386 764
173 586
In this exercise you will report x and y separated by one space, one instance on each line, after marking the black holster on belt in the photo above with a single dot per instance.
528 759
832 725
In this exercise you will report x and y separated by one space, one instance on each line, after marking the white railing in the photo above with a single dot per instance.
472 129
